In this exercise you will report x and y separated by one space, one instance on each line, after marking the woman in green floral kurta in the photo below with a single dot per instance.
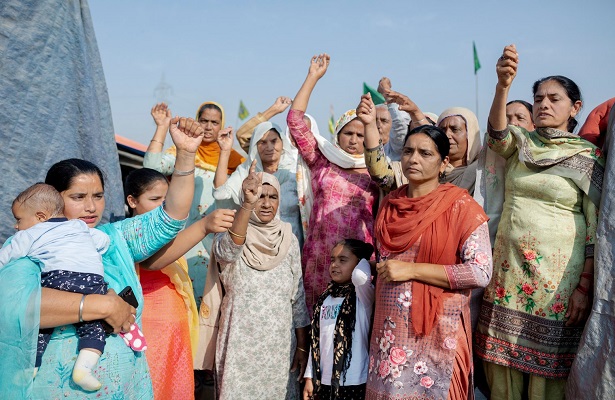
537 302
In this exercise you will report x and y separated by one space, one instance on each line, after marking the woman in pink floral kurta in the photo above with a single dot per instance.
343 192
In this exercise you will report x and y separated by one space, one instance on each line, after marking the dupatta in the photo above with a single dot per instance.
442 220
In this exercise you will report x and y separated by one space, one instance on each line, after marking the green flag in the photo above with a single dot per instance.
377 98
331 124
243 111
476 62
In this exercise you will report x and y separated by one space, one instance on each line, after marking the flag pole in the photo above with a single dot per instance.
477 117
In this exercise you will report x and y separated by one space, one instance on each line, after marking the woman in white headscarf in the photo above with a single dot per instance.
274 154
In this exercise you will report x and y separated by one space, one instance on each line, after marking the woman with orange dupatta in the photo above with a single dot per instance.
211 117
434 247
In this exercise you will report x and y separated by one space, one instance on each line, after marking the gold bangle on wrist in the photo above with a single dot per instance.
236 234
157 141
247 209
303 350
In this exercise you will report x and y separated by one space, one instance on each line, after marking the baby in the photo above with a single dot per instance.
70 255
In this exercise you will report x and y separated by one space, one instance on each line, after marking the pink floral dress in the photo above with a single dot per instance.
344 208
403 365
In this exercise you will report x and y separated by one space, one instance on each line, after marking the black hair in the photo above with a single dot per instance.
140 180
525 104
358 247
208 106
436 134
61 174
572 91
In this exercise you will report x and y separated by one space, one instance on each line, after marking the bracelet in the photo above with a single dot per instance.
303 350
183 173
583 290
422 119
236 234
81 308
587 275
157 141
247 209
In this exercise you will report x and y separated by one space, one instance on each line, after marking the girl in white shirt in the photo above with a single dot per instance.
338 361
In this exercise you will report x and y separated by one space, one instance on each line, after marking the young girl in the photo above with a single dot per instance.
169 308
337 366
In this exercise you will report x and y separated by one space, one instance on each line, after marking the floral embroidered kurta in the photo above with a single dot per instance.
344 202
546 231
203 203
403 365
259 313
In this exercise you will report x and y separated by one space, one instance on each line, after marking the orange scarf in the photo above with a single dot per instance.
442 227
208 154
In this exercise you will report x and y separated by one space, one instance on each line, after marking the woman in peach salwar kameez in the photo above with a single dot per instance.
434 247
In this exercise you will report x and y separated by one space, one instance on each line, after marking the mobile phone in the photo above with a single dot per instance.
129 296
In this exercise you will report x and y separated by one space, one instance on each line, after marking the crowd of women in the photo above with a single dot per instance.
403 260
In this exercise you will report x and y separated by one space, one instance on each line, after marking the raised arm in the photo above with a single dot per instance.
318 68
217 221
187 135
506 69
225 141
406 104
244 133
162 117
400 120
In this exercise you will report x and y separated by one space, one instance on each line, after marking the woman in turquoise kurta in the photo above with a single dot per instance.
535 307
211 117
25 307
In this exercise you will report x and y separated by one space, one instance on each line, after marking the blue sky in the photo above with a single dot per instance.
229 51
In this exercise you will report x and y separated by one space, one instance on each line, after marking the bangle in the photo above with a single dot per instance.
247 209
157 141
583 290
422 119
183 173
587 275
303 350
81 308
236 234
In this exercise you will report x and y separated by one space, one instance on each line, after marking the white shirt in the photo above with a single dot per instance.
357 371
67 245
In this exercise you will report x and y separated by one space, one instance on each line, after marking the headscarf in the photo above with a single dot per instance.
208 154
464 176
265 247
232 187
442 229
304 177
267 244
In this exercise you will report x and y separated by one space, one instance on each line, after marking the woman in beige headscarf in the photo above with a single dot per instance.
261 345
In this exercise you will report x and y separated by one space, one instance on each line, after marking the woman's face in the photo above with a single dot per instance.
420 160
518 115
457 132
267 205
350 138
552 106
151 198
270 148
211 121
85 199
343 262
